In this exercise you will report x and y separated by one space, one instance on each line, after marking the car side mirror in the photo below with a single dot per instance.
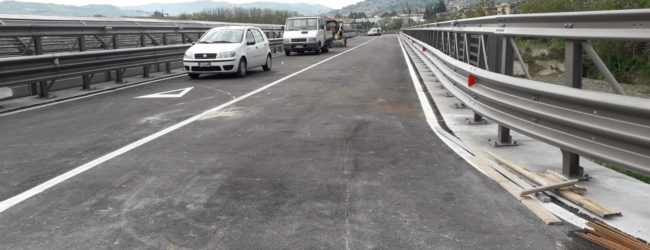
322 27
193 43
282 28
250 43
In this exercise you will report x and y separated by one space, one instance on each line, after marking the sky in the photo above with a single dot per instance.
332 4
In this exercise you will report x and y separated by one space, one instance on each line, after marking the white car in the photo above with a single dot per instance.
230 49
374 32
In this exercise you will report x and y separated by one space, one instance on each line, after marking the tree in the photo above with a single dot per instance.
479 9
429 14
357 15
158 14
441 7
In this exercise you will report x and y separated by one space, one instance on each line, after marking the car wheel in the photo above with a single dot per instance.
287 52
242 70
268 64
193 75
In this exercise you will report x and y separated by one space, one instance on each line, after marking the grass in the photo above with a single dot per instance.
634 175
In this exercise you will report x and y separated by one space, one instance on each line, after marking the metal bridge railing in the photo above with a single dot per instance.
473 59
39 50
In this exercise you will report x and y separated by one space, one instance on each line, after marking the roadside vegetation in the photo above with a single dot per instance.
628 61
235 15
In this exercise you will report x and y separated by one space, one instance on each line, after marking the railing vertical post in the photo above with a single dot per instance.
573 63
143 41
82 43
506 68
114 38
507 53
38 50
573 76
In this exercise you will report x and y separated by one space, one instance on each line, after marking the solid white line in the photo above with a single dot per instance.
429 115
8 203
431 119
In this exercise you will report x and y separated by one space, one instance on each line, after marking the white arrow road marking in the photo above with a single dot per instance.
10 202
168 94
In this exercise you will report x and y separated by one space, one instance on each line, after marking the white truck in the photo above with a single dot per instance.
308 34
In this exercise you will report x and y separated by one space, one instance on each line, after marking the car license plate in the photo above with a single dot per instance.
298 46
204 64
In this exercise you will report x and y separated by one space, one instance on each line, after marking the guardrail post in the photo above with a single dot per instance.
571 165
45 87
86 79
119 75
573 76
168 68
146 70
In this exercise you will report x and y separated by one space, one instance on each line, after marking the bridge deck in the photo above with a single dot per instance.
338 157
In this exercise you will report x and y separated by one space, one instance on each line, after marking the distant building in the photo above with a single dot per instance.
416 17
506 9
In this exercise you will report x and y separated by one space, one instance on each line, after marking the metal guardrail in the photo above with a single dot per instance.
46 69
35 35
46 43
473 59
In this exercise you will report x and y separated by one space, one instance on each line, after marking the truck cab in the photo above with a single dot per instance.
308 34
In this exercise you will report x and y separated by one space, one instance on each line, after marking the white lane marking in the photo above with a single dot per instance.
432 120
168 94
91 95
8 203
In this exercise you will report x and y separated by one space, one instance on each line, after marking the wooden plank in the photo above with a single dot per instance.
588 204
548 187
575 188
541 212
530 175
602 241
522 183
618 236
569 195
534 206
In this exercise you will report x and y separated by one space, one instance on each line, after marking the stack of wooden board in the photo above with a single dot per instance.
513 188
611 238
571 192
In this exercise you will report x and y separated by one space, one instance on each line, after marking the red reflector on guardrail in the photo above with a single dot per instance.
424 49
471 80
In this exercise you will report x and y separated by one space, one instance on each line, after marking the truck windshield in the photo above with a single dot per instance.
302 24
223 36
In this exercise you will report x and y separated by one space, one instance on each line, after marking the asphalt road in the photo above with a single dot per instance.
336 157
